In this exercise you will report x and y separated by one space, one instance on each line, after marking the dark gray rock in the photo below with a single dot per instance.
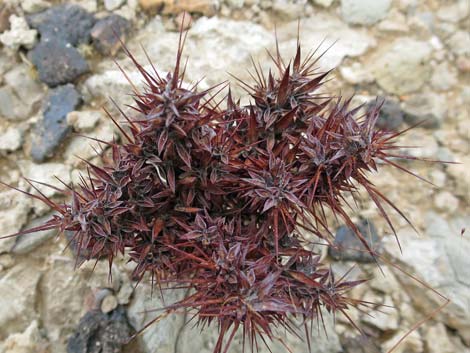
349 248
53 128
68 23
391 115
100 333
107 33
58 63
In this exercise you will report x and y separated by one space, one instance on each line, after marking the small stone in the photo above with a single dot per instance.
27 242
348 247
108 33
454 12
88 5
459 172
288 10
460 43
29 341
111 5
125 293
384 280
324 3
46 173
106 333
14 209
28 90
437 339
84 120
438 178
11 107
10 140
58 63
444 77
395 22
19 35
428 108
33 6
402 67
53 128
390 116
446 202
356 74
364 12
187 18
411 343
108 304
68 23
386 318
463 64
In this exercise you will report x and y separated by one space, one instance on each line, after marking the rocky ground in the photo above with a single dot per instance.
57 71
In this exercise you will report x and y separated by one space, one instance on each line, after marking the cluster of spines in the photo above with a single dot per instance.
216 199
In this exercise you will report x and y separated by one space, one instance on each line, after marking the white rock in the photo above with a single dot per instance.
460 43
394 22
19 35
10 140
89 5
18 299
437 339
32 6
384 280
84 120
437 177
27 242
454 12
356 74
109 303
411 344
111 5
46 173
324 3
29 341
444 77
459 172
401 67
364 12
385 318
14 209
289 10
28 90
446 202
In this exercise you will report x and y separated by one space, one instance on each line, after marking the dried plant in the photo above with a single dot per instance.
217 200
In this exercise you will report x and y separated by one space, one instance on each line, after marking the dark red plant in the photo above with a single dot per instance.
216 199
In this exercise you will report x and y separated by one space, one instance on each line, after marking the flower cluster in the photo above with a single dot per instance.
217 199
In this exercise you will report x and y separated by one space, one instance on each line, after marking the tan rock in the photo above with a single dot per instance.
206 7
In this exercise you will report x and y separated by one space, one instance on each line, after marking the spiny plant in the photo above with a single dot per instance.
217 199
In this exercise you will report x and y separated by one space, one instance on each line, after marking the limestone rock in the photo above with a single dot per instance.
10 140
84 120
402 67
365 12
19 35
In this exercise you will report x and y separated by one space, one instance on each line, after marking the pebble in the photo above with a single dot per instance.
459 172
437 177
10 140
402 67
288 10
446 202
108 332
356 74
28 242
364 12
58 63
395 22
459 43
5 11
205 7
438 340
11 106
454 12
84 120
53 128
108 304
68 23
14 209
19 35
350 248
33 6
430 108
385 318
324 3
28 90
46 173
411 344
108 33
444 77
29 341
111 5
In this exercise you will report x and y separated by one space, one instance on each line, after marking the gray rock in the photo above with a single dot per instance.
108 33
27 242
14 209
402 67
427 107
441 260
459 43
391 115
350 248
46 173
11 107
100 333
53 128
68 23
365 12
57 62
28 90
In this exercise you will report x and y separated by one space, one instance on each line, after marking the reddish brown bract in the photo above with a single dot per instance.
215 199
